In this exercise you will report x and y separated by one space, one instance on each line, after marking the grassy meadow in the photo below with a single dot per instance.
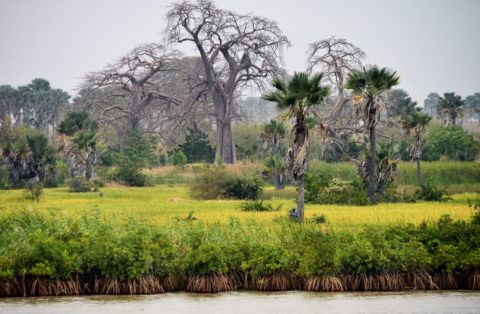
166 203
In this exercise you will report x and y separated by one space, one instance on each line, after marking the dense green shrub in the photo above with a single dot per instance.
258 206
130 173
430 192
34 190
178 158
249 187
219 183
322 189
54 247
451 141
197 147
79 184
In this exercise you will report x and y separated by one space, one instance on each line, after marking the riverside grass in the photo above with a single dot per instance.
164 203
44 254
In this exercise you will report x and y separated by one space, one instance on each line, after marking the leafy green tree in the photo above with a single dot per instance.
400 104
197 147
450 107
368 85
178 158
451 141
298 95
417 122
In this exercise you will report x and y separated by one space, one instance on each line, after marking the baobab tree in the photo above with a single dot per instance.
237 51
336 58
129 91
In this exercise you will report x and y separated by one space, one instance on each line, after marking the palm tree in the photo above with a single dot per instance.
273 132
298 95
77 140
418 122
450 106
368 86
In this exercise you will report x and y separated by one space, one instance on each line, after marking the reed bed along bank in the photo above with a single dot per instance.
51 254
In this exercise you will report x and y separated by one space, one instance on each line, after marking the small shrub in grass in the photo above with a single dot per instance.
210 184
259 206
430 192
79 184
335 191
320 219
129 173
178 158
244 187
34 190
218 183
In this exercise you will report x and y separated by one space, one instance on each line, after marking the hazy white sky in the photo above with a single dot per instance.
433 44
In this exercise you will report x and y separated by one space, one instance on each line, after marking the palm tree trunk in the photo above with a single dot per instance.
301 198
372 164
419 172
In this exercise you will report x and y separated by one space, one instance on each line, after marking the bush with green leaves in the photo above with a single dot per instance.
178 158
34 190
219 183
79 184
259 206
247 187
322 189
129 173
197 147
36 245
430 192
453 142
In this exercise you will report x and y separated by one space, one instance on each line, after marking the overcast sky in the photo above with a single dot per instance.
434 45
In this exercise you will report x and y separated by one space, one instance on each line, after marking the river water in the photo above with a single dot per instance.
252 302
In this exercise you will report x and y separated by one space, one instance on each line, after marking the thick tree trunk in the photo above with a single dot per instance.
278 180
372 164
419 172
301 198
225 150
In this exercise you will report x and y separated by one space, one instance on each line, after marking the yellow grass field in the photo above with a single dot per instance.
163 203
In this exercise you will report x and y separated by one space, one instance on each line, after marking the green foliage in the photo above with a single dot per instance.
27 155
249 187
76 121
34 190
139 149
178 158
450 141
210 184
129 173
79 184
55 247
322 189
247 139
197 147
258 206
430 192
219 183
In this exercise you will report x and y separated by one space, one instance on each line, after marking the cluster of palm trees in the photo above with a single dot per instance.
302 92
